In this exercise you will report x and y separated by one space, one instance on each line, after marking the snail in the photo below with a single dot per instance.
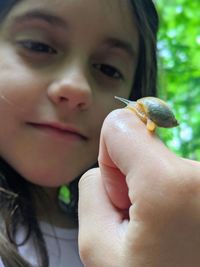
153 111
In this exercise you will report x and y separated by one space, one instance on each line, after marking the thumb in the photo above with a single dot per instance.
130 156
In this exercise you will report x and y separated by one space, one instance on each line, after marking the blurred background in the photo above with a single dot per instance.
179 72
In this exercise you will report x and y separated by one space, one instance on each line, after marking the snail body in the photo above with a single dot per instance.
153 111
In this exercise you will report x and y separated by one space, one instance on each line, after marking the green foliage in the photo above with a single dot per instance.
179 72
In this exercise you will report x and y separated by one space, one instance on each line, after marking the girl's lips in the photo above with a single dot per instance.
59 130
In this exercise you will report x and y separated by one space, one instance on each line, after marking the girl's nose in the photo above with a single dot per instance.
71 89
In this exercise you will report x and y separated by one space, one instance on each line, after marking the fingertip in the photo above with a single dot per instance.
121 119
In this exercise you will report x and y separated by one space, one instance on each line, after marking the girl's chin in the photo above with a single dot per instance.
51 183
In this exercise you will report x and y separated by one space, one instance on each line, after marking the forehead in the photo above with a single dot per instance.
105 6
115 15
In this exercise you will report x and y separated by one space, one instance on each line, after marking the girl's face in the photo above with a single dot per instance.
61 64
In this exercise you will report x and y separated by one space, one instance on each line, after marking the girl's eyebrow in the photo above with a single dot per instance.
41 15
123 45
53 20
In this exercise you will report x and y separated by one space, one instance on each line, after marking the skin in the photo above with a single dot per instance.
69 86
71 81
162 226
141 216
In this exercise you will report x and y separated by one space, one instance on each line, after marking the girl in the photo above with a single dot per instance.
61 64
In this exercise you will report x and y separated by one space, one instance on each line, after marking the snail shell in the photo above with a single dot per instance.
152 111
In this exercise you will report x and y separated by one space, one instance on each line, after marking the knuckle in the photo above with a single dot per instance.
85 251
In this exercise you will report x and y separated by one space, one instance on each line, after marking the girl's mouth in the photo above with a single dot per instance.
59 131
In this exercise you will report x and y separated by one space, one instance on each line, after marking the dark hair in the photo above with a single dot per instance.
146 73
16 199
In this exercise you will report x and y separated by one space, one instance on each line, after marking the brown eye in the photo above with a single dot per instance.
37 47
109 71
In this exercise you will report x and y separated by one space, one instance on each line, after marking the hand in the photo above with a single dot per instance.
142 206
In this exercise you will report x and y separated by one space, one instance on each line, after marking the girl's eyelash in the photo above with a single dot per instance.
37 47
109 71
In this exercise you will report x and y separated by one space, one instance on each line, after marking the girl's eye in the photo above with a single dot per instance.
109 71
37 47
